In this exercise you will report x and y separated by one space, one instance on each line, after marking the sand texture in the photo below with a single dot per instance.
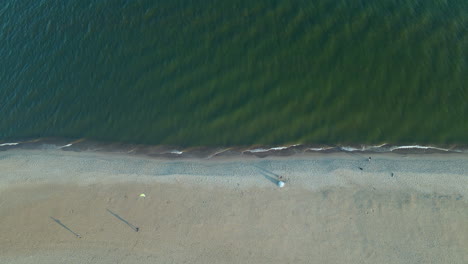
230 210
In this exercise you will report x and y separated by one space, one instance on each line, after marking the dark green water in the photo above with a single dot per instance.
235 72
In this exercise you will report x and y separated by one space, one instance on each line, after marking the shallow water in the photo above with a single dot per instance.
235 72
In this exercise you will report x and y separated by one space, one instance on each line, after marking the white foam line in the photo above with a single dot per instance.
216 153
417 147
319 149
8 144
131 150
349 149
265 150
378 146
363 148
65 146
176 152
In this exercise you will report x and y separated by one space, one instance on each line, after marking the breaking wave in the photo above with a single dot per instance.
211 152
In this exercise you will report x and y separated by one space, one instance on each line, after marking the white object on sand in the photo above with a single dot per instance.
281 184
142 195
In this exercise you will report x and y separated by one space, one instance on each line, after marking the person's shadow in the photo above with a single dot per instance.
135 228
64 226
272 177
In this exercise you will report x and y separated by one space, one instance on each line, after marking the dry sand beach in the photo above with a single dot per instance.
229 210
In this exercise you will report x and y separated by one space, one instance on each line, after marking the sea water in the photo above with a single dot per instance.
230 73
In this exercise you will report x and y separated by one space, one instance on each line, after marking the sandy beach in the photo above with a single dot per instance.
83 207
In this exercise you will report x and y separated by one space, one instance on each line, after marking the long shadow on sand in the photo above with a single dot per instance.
135 228
64 226
272 177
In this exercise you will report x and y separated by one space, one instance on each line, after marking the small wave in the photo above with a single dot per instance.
319 149
264 150
217 153
418 147
259 150
350 149
384 148
363 148
210 152
8 144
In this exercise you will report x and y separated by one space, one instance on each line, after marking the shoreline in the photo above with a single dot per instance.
204 152
445 173
230 210
306 169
